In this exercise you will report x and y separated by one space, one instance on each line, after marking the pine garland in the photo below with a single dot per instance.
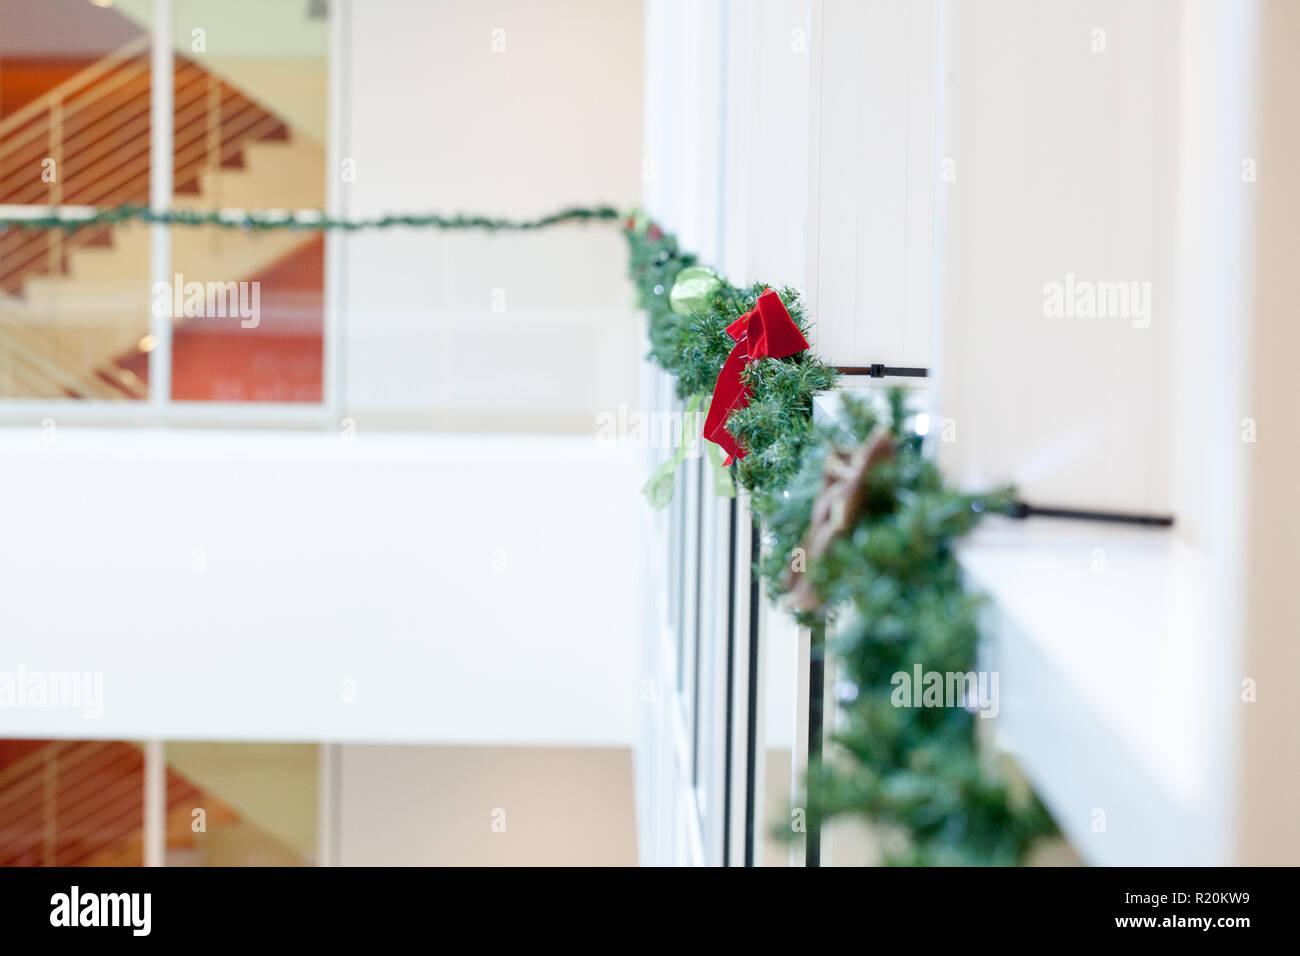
300 221
915 772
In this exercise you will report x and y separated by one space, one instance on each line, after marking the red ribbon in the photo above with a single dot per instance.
765 331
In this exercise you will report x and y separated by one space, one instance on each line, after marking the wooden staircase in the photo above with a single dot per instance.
81 803
71 304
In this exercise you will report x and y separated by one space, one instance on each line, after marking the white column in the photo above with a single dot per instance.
155 803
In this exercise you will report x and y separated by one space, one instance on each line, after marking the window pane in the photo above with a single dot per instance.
250 122
73 803
250 103
81 803
247 804
248 315
249 96
74 129
74 312
74 104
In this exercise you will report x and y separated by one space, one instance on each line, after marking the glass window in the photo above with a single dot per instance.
72 307
80 309
248 315
245 804
249 133
72 803
75 130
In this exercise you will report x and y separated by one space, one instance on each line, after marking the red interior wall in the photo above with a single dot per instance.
281 360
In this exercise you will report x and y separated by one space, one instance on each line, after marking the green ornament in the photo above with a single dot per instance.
694 290
638 222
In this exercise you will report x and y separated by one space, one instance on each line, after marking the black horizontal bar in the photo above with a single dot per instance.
1021 509
882 371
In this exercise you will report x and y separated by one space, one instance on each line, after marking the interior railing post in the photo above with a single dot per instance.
816 697
729 722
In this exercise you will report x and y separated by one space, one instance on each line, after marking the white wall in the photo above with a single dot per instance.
396 587
226 585
1064 162
435 120
1105 140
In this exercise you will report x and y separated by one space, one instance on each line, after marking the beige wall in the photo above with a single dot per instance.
1270 781
427 806
436 120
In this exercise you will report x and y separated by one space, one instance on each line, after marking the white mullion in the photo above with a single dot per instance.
328 767
691 610
812 223
183 414
337 204
939 237
160 197
155 803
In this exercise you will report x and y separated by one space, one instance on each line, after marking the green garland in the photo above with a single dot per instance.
304 222
915 772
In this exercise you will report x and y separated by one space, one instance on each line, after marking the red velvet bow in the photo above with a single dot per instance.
766 330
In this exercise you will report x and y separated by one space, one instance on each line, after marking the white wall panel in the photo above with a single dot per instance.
1065 167
765 161
227 585
872 176
683 132
1104 141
